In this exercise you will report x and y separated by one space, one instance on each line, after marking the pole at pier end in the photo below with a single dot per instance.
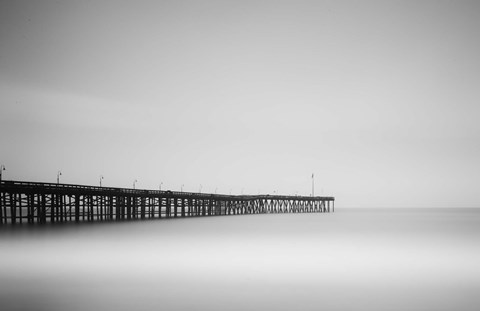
313 185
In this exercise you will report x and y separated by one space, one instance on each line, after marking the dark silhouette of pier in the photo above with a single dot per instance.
33 202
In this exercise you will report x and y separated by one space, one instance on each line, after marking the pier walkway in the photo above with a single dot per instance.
33 202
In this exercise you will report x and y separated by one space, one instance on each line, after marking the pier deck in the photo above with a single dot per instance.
33 202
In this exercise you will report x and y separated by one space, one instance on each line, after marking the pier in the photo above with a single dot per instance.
41 203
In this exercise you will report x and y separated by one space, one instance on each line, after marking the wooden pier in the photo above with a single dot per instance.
31 202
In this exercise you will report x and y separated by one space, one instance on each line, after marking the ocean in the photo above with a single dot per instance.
353 259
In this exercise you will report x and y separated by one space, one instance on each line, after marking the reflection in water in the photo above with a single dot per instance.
413 259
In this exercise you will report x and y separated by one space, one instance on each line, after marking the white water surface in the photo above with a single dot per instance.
353 259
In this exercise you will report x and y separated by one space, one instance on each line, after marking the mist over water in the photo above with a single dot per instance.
362 259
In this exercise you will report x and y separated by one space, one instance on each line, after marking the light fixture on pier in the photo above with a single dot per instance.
101 178
134 182
181 188
2 168
59 173
160 186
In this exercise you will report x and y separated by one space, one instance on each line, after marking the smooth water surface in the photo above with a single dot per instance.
357 259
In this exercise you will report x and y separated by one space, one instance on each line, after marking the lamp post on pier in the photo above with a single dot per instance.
313 185
2 168
134 182
59 173
101 177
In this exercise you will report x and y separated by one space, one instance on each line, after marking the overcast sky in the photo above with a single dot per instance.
380 100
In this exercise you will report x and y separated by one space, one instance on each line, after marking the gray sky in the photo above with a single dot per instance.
379 99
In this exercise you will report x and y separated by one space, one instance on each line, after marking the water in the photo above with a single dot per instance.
365 259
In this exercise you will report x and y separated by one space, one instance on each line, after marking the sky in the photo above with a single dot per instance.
378 99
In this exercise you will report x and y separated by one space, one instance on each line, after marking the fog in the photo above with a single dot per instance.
364 259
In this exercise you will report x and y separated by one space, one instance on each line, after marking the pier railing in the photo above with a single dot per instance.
33 202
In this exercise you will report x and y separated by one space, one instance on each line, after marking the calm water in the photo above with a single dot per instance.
413 259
